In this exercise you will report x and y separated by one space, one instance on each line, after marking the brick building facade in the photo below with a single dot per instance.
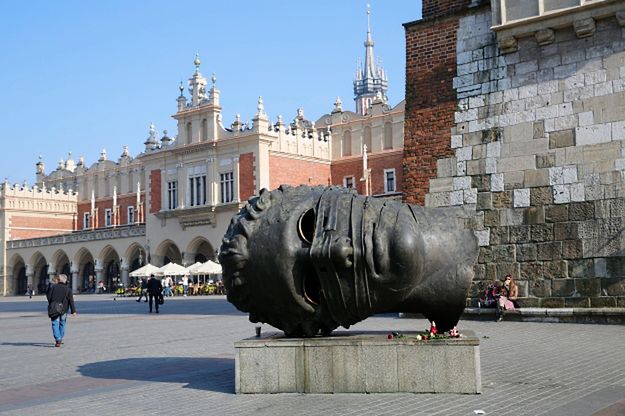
174 201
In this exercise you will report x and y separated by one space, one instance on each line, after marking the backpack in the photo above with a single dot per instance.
490 296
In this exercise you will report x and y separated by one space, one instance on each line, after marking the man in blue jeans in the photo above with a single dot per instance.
60 299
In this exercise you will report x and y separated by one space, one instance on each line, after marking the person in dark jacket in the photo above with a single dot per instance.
60 299
155 289
144 289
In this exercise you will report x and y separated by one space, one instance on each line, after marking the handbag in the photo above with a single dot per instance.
55 309
161 300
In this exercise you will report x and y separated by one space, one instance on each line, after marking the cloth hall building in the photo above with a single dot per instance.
174 201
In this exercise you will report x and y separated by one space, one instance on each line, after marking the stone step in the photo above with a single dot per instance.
564 315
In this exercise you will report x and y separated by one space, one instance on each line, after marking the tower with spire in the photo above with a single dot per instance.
197 117
371 79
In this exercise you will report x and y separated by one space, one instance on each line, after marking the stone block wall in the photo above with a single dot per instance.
538 143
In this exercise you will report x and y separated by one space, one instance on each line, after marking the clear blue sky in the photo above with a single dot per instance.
82 75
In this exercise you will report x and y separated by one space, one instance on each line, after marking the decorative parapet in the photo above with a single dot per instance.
25 191
79 236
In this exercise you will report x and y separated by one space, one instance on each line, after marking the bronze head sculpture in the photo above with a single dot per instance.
309 259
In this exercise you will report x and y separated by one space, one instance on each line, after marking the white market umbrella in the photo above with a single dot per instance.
171 269
210 267
144 271
193 267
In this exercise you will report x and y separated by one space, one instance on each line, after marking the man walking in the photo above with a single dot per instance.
154 292
60 298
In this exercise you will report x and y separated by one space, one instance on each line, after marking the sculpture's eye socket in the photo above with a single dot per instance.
306 226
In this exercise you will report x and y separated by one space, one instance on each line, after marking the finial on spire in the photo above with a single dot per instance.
181 88
125 152
152 130
103 155
214 79
40 166
338 104
197 62
260 107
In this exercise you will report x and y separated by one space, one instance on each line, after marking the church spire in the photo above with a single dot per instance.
369 61
370 79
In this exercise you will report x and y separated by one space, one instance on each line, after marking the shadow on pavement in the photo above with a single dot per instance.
211 373
107 306
28 344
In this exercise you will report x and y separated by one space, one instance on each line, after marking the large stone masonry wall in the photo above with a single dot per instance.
539 142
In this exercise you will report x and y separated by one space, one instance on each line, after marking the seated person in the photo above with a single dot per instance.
507 297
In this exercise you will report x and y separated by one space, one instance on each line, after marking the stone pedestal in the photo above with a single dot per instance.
364 362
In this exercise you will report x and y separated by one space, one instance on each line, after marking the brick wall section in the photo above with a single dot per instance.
438 8
155 191
32 227
377 163
289 171
247 176
430 102
102 204
124 202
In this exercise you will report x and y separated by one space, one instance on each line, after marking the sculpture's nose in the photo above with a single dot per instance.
342 252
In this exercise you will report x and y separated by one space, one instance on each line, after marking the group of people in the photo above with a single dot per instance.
502 296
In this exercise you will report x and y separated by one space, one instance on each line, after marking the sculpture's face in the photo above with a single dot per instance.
308 259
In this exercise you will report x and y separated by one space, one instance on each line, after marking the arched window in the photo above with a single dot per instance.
388 135
366 138
347 143
189 133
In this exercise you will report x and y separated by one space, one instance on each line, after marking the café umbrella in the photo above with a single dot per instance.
193 267
209 267
145 271
171 269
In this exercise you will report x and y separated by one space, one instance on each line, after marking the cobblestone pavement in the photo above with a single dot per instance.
119 360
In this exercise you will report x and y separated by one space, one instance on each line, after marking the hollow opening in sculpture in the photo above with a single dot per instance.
306 226
312 287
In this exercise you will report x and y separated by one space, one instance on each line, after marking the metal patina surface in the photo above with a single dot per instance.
310 259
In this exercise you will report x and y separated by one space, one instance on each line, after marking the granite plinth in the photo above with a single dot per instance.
362 362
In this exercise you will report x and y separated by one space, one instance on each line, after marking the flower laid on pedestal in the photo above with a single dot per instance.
431 333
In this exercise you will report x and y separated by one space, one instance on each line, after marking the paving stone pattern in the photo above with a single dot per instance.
118 359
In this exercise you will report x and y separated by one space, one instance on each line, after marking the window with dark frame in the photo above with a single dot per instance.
227 187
